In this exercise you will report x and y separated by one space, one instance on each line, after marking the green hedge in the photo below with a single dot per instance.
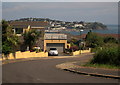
107 55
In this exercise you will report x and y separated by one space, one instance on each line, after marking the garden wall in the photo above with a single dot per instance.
26 54
81 51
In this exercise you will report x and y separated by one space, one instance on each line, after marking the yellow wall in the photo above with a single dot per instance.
86 51
76 53
81 51
26 54
54 41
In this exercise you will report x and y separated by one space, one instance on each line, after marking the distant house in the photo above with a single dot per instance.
55 40
58 28
20 27
78 25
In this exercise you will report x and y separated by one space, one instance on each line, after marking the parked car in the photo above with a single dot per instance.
53 51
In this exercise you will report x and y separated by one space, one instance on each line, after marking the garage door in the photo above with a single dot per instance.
60 46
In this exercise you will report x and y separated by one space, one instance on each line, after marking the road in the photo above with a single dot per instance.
45 71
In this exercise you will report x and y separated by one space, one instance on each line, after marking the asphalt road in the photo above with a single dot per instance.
45 71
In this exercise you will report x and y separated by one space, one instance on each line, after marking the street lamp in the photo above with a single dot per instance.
80 39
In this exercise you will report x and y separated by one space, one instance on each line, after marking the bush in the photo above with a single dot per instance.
93 40
10 41
74 48
6 48
108 55
30 38
110 40
67 51
96 49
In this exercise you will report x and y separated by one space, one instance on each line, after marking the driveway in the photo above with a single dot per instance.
45 71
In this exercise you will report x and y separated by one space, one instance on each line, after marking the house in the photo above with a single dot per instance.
55 40
20 27
59 28
78 25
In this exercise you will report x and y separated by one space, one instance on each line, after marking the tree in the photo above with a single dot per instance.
9 40
93 40
30 38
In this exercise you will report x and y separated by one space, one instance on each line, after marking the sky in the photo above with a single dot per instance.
60 0
104 12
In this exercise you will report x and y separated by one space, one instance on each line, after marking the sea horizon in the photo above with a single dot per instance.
112 29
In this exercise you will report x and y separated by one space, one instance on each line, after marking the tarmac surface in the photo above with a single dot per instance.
43 70
76 67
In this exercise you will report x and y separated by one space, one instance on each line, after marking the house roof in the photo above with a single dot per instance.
55 36
25 24
51 31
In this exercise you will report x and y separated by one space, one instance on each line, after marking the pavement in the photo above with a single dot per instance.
99 72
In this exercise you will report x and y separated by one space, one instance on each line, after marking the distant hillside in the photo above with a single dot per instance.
95 25
73 25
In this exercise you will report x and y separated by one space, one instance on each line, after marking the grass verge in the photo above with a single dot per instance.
101 66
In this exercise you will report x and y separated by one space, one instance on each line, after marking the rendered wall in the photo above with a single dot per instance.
26 54
81 51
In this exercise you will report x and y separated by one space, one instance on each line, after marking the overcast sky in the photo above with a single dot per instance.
60 0
105 12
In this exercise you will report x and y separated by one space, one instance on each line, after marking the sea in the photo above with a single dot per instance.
112 29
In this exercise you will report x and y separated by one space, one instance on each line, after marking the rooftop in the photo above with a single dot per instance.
55 36
52 31
25 24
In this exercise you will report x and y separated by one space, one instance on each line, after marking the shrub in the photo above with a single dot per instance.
6 48
93 40
110 40
10 41
30 38
67 51
74 48
108 55
96 49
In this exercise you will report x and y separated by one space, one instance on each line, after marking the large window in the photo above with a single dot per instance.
18 30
